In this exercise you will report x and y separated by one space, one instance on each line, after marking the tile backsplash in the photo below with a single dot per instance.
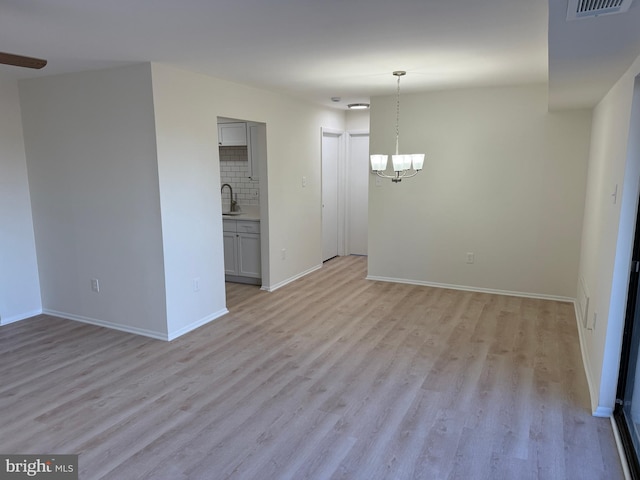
234 170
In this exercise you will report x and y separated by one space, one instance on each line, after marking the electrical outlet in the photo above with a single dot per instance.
284 253
304 181
196 284
471 257
95 285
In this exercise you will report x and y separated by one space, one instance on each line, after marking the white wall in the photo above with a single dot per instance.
19 283
292 217
189 176
607 236
93 174
357 120
503 178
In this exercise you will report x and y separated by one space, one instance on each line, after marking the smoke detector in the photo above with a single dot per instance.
594 8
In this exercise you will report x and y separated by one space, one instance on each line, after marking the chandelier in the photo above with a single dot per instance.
401 163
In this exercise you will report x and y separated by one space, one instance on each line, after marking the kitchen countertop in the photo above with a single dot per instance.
247 212
242 216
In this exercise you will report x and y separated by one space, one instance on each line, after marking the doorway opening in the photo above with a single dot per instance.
345 193
242 149
332 198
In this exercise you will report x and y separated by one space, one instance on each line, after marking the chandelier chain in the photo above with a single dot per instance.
398 116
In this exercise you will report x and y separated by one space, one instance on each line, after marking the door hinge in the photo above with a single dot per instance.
635 266
619 401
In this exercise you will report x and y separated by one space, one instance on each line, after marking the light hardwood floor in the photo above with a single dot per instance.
330 377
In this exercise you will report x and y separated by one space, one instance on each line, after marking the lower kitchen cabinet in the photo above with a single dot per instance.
242 261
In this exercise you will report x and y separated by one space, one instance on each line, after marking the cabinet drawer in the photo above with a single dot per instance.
247 226
228 225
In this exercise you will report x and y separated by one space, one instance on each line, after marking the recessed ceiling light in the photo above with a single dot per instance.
358 106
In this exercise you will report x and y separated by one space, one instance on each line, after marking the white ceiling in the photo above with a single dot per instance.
318 49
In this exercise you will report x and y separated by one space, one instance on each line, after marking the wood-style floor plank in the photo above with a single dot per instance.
330 377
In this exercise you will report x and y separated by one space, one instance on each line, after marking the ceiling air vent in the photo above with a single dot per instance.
593 8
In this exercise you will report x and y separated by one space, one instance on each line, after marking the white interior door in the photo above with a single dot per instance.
358 193
330 158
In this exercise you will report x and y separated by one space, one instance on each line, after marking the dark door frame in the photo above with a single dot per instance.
627 372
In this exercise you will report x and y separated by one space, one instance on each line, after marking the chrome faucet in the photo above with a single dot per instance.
233 205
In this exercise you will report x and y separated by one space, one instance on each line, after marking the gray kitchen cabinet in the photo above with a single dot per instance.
242 261
256 148
232 134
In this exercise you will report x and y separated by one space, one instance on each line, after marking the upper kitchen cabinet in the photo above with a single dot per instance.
256 147
232 134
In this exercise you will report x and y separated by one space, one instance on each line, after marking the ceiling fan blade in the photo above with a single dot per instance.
21 61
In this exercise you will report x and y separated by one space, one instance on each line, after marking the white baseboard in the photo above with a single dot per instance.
291 279
196 324
538 296
17 318
140 331
604 412
115 326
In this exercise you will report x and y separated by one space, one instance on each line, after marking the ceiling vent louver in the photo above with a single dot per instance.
594 8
